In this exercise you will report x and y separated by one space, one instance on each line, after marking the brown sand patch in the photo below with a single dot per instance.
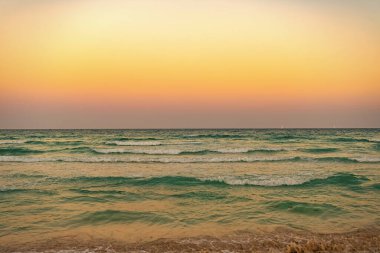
280 240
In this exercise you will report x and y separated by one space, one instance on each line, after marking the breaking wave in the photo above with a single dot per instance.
134 143
337 179
186 152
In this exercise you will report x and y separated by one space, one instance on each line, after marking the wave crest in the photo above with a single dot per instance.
319 150
213 136
18 151
134 143
337 179
186 152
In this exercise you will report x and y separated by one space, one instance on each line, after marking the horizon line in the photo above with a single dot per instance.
222 128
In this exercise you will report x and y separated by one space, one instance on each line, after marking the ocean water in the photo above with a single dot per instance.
139 185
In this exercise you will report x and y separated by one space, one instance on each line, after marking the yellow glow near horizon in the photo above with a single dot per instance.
226 53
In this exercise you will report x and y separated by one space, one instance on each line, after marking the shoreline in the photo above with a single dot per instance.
279 240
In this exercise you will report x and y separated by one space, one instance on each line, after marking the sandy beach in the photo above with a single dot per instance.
280 240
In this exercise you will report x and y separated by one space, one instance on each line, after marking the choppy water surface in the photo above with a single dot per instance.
145 184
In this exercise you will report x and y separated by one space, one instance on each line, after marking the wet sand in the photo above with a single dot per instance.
280 240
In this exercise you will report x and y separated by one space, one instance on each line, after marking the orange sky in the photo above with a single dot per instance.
121 64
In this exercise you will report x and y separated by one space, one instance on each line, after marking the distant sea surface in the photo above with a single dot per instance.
140 185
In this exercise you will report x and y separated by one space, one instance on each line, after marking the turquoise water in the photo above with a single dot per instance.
144 184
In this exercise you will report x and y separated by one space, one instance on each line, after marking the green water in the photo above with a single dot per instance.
143 184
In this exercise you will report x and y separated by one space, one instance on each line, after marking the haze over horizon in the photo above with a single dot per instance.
189 64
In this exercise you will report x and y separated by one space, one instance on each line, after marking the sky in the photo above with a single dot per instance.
189 63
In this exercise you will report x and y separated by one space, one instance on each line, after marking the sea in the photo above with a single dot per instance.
138 186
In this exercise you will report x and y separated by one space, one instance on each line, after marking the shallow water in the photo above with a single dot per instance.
134 185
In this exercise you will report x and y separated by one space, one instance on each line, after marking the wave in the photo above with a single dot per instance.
368 159
134 143
80 150
319 150
146 152
213 136
150 181
136 139
94 159
6 138
39 136
285 137
95 192
56 143
186 152
4 191
10 151
304 208
259 150
155 152
18 151
199 152
348 139
195 159
12 141
21 175
116 216
338 179
375 186
201 195
338 159
346 180
263 180
103 196
36 142
66 143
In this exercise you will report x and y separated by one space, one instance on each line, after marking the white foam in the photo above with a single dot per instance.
192 135
368 159
267 180
233 150
25 159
